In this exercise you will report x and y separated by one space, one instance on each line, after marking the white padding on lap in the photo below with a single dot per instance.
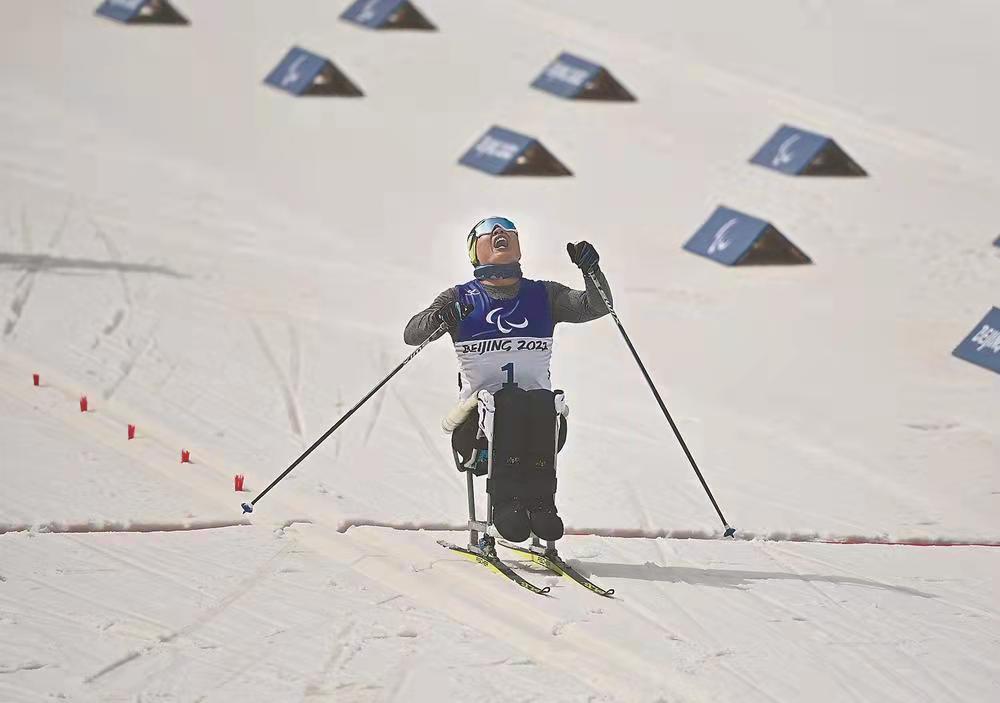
457 415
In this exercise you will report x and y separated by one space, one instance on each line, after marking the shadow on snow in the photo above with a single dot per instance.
722 578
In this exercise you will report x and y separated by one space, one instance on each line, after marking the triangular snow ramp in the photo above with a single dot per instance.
736 239
141 12
982 346
571 77
304 73
386 14
505 153
800 153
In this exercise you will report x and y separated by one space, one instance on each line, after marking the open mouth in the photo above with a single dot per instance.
500 241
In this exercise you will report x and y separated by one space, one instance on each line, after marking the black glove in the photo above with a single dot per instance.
453 313
584 255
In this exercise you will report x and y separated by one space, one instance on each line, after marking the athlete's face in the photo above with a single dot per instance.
500 247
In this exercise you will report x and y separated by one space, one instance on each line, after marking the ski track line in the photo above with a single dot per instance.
19 693
291 404
437 458
518 617
120 314
314 686
116 320
845 673
17 304
244 586
886 630
136 564
115 255
39 620
99 606
398 686
295 359
127 367
717 653
900 493
25 285
99 526
993 615
376 413
695 534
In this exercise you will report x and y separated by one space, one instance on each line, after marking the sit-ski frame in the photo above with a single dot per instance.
487 528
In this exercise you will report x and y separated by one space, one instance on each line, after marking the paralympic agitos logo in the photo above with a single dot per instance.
501 319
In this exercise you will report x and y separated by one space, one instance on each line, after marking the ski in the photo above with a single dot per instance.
493 562
551 560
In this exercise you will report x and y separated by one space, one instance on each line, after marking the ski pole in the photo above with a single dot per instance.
730 531
248 507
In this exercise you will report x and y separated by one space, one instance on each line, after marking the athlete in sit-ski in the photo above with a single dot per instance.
501 325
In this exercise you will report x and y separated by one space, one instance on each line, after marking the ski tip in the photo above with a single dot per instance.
247 508
730 531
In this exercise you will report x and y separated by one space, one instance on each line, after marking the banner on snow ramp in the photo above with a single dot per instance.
571 77
386 14
141 12
734 238
982 346
801 153
502 152
304 73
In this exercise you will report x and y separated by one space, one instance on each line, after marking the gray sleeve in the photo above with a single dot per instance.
423 323
568 305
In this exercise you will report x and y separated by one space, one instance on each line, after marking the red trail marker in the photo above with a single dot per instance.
185 456
35 379
238 482
83 403
131 431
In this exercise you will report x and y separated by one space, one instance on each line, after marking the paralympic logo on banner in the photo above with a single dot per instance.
719 241
293 75
785 153
368 12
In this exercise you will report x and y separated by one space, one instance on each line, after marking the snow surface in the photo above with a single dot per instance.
230 269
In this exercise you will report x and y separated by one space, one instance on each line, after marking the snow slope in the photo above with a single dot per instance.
186 246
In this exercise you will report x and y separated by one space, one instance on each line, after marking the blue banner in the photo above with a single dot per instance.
497 150
566 76
790 150
122 10
297 71
372 13
982 346
727 236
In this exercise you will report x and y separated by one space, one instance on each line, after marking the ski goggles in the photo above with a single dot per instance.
487 227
